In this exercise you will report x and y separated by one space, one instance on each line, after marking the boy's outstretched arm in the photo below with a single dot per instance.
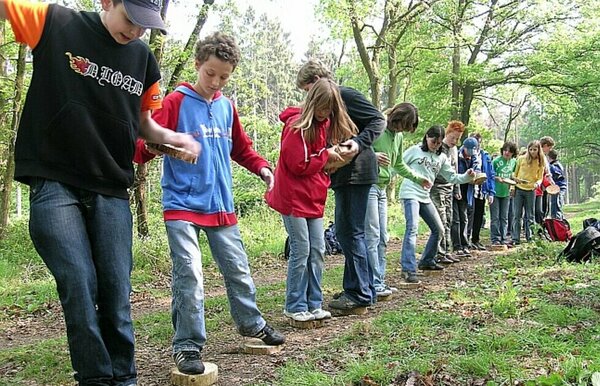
153 132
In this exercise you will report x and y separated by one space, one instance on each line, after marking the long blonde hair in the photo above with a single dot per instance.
528 157
325 95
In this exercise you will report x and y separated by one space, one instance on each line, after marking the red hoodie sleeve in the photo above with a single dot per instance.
167 117
298 155
242 151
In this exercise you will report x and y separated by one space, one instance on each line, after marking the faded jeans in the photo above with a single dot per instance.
187 305
376 236
305 265
412 210
499 215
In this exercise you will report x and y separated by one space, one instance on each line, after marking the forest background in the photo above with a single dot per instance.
509 69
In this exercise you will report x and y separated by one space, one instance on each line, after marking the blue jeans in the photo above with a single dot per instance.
460 224
350 210
187 306
524 201
85 239
556 203
499 215
305 264
376 236
412 210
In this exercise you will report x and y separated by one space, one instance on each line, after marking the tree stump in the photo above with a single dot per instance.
352 311
405 285
499 247
431 273
384 298
256 346
209 377
308 325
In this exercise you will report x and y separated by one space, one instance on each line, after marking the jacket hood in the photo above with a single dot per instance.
289 112
191 87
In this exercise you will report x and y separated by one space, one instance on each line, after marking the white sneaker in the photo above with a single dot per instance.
393 289
320 313
302 316
383 292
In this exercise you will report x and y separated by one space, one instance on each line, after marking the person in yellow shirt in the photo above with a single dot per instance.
528 174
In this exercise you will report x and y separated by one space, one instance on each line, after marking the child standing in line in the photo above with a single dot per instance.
388 149
198 197
300 191
427 160
529 172
443 192
558 175
504 168
94 84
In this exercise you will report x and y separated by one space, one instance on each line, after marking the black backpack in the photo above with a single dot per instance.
332 246
582 246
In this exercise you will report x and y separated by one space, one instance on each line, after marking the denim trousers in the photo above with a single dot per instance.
556 203
524 201
85 240
460 222
350 210
305 264
442 197
499 219
412 210
476 219
376 235
187 305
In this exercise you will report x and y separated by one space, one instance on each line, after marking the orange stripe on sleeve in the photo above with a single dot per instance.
27 20
151 99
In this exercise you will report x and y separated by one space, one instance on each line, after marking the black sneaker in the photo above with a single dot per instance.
188 362
343 302
433 267
412 278
270 336
480 246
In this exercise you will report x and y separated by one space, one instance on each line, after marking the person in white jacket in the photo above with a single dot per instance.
428 161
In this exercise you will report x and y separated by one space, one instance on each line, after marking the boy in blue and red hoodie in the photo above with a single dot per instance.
198 197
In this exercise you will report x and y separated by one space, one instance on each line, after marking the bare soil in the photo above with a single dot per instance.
235 367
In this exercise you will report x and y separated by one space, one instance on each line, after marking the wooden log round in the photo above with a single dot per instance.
174 151
209 377
258 347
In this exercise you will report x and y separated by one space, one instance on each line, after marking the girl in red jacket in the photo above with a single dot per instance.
300 191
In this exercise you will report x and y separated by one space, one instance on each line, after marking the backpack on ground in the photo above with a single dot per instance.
332 246
591 222
557 229
582 246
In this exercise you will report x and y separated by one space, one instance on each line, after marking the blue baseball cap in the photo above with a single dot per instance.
470 145
145 13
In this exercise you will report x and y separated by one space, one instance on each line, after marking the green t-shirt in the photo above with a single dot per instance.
505 169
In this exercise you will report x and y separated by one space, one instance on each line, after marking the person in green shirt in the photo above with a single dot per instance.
504 167
388 149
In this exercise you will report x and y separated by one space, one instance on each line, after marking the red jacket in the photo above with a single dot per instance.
300 182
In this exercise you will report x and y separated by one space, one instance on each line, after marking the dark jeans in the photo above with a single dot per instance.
459 224
85 239
350 209
478 212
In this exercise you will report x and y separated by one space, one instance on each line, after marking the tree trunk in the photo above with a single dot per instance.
189 47
574 185
141 172
10 164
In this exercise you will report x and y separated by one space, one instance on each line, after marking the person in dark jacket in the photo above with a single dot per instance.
351 184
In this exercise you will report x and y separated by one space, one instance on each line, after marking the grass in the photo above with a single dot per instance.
525 319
